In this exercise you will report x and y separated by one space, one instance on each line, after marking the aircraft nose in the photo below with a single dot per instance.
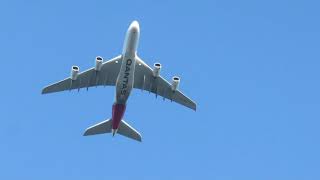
134 26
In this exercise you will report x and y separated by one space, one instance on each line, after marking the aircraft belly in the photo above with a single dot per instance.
125 80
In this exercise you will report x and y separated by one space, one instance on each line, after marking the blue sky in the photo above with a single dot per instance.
251 66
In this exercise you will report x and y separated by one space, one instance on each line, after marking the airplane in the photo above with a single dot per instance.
125 72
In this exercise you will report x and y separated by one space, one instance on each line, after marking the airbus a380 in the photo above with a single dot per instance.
125 72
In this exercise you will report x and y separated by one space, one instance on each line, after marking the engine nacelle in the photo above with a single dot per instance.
74 72
175 83
156 69
98 63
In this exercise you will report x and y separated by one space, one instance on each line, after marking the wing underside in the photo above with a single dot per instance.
145 80
106 76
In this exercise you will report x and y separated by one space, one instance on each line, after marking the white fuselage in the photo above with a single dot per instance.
125 78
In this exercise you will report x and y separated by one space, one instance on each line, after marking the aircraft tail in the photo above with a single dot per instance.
106 127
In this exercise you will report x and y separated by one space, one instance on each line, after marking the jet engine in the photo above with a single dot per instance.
175 83
98 61
156 69
74 72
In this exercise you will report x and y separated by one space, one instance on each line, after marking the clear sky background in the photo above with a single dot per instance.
252 67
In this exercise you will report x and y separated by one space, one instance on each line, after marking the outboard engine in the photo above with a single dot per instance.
156 69
98 63
175 83
74 72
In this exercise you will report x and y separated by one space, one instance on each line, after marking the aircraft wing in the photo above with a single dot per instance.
106 76
144 80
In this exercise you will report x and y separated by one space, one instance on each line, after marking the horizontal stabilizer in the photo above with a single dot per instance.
126 130
100 128
106 127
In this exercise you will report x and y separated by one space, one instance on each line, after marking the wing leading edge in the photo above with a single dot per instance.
145 80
